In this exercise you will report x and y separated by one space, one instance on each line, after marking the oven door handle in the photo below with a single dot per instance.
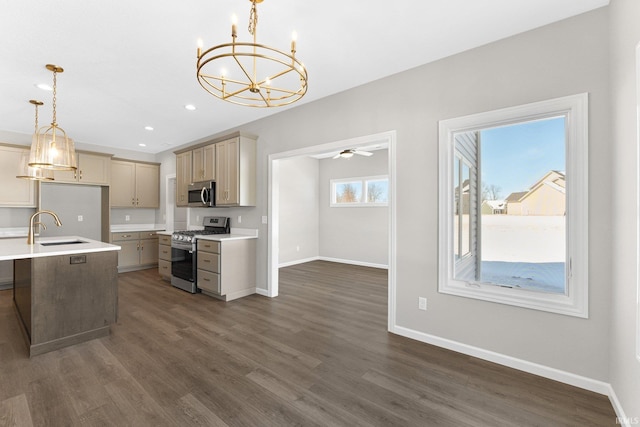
204 195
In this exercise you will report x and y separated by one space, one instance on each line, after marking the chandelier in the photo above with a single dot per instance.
52 149
28 172
251 74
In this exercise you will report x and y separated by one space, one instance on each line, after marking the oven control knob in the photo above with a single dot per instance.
180 237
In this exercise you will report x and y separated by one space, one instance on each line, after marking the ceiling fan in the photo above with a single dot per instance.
347 154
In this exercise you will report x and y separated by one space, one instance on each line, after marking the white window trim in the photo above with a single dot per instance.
363 180
576 300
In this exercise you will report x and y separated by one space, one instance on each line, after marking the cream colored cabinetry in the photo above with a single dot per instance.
226 269
236 172
16 192
183 178
139 250
94 169
135 184
203 163
164 256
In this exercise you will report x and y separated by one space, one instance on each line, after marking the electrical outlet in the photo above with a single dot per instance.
298 248
239 219
422 303
264 219
198 218
127 218
80 218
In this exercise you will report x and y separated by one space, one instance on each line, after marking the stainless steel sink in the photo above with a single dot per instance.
62 242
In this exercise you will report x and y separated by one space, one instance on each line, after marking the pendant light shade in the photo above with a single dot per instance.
28 172
52 149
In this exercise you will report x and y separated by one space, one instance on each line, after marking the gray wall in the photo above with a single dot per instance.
299 210
561 59
68 201
356 234
624 367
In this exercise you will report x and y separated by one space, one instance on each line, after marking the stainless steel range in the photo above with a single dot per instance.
183 251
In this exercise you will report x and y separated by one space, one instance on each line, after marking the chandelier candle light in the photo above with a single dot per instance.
251 74
52 149
28 172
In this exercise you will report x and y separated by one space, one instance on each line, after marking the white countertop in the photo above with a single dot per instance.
236 234
17 248
223 237
117 228
13 232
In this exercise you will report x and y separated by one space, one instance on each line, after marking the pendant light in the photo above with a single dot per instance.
52 149
28 172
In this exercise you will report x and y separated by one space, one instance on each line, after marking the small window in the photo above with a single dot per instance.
363 191
513 206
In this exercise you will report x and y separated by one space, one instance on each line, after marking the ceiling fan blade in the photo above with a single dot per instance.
363 153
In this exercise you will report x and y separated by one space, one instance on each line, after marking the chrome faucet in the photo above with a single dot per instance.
33 224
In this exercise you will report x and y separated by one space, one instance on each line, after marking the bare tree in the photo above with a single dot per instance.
374 193
490 192
348 194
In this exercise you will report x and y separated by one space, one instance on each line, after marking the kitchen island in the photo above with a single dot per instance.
65 289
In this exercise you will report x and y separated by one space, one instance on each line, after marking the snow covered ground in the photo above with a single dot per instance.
524 251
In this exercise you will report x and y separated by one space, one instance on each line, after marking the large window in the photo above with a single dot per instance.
513 206
362 191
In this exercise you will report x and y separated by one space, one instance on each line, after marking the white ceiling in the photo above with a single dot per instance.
130 64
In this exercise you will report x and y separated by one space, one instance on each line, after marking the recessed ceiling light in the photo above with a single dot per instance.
142 145
44 86
190 107
148 128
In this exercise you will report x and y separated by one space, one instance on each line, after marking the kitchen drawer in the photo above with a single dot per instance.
164 240
118 237
208 261
208 246
164 252
148 235
164 268
208 281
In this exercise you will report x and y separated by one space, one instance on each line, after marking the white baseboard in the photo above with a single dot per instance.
298 261
512 362
621 417
352 262
339 260
263 292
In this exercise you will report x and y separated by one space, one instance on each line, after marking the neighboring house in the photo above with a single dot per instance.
494 207
513 203
546 197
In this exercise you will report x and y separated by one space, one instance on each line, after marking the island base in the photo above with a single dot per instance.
65 300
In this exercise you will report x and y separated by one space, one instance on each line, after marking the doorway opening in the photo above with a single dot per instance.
386 139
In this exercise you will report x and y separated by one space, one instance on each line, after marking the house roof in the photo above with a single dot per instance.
514 197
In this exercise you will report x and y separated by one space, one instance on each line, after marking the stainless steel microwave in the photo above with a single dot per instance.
202 194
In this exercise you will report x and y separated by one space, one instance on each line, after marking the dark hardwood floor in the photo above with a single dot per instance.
318 355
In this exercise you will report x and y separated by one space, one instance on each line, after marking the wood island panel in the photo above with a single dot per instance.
68 299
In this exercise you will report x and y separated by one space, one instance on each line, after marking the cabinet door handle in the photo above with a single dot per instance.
133 201
80 175
207 280
126 235
206 260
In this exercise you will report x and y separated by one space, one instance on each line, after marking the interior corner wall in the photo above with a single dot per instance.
560 59
356 235
624 366
298 210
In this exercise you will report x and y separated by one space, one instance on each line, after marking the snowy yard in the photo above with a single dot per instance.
524 251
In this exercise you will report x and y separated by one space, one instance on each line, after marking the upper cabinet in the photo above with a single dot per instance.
94 169
203 163
229 161
16 192
135 184
236 172
183 178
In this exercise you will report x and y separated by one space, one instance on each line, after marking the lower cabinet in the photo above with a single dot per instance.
139 250
226 268
164 256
